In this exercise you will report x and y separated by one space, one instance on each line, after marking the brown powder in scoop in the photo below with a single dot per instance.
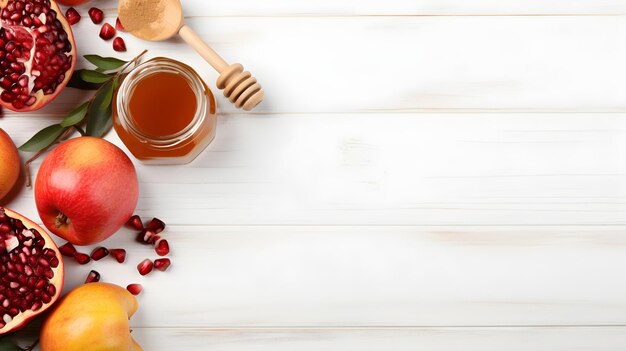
150 19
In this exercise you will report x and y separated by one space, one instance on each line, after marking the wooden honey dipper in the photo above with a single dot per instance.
157 20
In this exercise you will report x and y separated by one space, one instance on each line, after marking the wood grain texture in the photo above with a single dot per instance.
390 169
433 175
400 64
329 8
427 339
390 276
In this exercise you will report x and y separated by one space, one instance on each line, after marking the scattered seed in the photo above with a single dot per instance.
67 249
162 247
72 16
81 258
92 277
107 32
135 223
119 26
99 253
96 15
135 289
162 264
119 45
118 254
156 225
145 267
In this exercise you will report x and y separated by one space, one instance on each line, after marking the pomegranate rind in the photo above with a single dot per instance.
23 318
42 98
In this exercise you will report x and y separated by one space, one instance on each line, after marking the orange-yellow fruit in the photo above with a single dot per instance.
91 317
9 164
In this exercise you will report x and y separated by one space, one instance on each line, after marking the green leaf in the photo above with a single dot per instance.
76 116
7 344
90 76
108 98
105 63
78 83
43 138
99 119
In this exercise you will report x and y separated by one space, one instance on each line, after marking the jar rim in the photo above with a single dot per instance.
160 65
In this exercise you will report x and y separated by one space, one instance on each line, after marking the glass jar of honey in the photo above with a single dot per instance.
164 112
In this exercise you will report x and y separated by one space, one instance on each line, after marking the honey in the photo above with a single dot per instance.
164 113
162 104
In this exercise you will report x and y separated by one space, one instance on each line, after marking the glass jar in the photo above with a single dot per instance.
164 112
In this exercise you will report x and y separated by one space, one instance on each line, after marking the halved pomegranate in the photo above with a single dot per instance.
37 53
31 271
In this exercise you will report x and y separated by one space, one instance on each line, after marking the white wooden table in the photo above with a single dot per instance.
424 175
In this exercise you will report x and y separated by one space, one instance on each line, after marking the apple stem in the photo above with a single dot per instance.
61 220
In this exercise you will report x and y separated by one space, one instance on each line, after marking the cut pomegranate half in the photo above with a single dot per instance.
31 271
37 53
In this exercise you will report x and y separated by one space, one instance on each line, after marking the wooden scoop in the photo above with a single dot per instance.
157 20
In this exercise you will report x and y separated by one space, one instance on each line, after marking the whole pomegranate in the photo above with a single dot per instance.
86 190
31 271
9 164
93 316
37 53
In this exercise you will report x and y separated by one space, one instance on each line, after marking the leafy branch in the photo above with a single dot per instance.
94 114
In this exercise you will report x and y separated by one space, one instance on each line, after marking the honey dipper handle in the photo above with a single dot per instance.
202 48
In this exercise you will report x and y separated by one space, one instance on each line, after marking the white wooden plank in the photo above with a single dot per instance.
434 339
376 339
376 276
426 169
390 64
393 7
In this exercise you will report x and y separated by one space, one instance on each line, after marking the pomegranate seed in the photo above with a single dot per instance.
144 236
107 31
134 289
72 16
119 255
119 26
92 277
154 239
119 45
135 222
161 247
162 264
67 249
96 15
156 225
82 258
5 228
27 267
145 267
99 253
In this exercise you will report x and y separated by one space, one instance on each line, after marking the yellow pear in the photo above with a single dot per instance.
91 317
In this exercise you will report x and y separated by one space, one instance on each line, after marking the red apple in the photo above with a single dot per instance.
86 189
